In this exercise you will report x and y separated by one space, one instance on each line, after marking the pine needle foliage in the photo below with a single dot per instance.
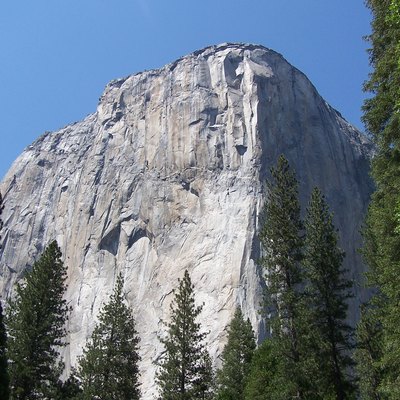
236 359
382 238
282 242
266 379
185 371
331 338
36 327
108 369
367 354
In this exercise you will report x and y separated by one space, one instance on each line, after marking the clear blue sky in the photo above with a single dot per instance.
57 56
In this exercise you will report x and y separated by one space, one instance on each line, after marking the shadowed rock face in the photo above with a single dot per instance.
168 174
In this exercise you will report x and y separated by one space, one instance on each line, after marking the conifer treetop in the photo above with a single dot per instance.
109 365
36 325
185 370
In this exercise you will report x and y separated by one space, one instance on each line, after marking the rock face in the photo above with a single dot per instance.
168 174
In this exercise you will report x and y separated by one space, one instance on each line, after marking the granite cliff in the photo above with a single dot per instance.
168 174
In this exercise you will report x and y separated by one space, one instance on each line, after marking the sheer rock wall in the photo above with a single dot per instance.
168 174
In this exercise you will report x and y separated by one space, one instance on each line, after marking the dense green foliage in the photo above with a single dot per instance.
282 241
309 349
69 389
108 369
35 322
236 358
327 290
185 371
367 354
266 379
4 378
382 238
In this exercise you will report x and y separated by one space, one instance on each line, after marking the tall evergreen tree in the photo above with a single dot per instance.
185 371
281 238
4 378
236 359
108 368
36 326
327 291
266 378
382 240
368 351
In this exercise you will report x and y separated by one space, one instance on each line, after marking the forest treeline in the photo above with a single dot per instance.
310 352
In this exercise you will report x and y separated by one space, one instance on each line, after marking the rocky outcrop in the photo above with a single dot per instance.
168 174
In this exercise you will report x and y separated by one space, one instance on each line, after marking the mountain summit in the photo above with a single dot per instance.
168 174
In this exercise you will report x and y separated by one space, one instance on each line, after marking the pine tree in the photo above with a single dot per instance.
327 291
108 368
368 351
266 378
236 359
281 238
206 381
4 378
185 370
69 389
36 326
382 240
